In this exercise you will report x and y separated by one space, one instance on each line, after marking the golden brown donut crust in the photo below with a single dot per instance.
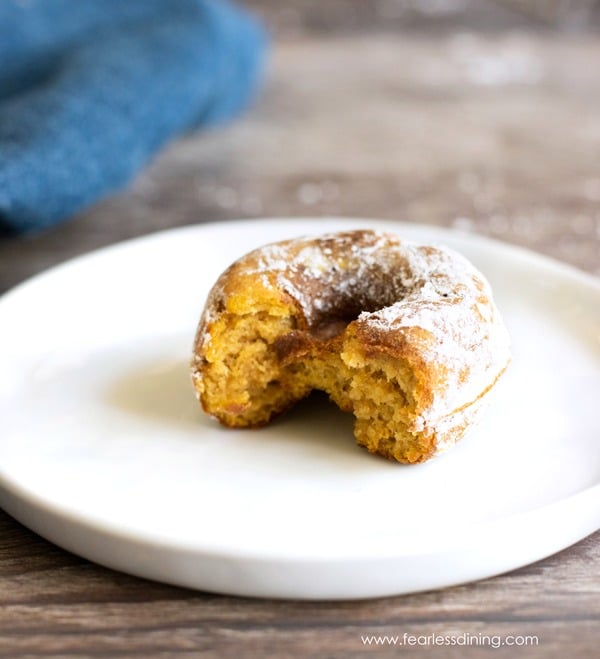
406 337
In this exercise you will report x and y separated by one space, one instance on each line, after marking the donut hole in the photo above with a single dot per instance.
330 328
343 304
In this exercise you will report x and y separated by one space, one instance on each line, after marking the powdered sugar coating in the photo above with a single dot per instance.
462 333
389 288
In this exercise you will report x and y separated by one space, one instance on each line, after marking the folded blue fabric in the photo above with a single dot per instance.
90 89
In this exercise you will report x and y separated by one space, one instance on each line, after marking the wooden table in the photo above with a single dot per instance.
479 115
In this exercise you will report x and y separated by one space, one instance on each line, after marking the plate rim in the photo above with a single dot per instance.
76 520
543 260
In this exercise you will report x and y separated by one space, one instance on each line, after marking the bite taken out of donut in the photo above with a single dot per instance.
406 337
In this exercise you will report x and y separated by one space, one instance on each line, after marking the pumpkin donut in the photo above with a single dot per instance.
404 336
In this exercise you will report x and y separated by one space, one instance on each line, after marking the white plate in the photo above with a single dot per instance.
104 451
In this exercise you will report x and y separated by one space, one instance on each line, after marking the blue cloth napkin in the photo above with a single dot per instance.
90 89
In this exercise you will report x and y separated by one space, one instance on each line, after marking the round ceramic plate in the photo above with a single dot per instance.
104 449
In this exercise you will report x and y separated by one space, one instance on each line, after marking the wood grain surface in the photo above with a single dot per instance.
484 116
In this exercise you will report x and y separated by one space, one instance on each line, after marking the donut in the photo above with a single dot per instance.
406 337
